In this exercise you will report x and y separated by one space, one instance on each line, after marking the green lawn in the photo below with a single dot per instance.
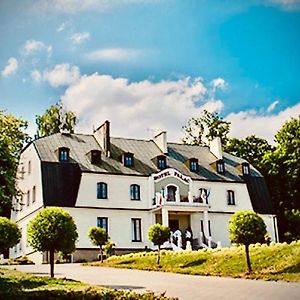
274 262
22 286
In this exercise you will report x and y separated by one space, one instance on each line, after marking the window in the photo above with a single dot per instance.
161 162
101 190
230 197
136 230
135 192
102 222
28 198
203 193
29 167
21 202
220 167
95 156
128 159
33 194
63 154
209 229
194 165
22 172
246 169
171 193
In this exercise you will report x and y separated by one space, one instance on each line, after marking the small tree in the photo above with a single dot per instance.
158 234
10 234
98 237
109 249
53 229
247 228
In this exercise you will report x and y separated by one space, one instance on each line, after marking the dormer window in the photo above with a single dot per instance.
63 154
128 159
246 169
95 156
220 167
161 162
194 164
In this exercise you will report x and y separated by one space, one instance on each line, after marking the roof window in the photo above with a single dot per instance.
161 162
193 164
63 154
128 159
220 167
95 156
245 169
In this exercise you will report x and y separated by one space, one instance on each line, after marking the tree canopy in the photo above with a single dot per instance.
158 235
98 237
12 138
206 127
55 120
53 229
10 234
246 227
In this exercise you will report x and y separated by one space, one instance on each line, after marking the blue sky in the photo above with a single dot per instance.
150 65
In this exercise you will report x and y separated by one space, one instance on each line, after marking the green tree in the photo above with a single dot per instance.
98 237
207 126
10 234
247 228
252 149
55 120
53 229
12 138
158 234
109 249
284 177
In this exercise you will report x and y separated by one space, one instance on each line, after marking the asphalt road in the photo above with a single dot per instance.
185 287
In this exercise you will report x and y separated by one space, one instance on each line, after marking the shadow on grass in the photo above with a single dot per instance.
194 263
291 269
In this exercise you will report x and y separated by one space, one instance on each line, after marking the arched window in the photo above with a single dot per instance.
135 192
171 193
101 190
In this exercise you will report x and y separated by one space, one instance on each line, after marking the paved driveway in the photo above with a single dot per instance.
185 287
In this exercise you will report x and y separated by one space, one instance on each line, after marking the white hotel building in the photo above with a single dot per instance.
126 185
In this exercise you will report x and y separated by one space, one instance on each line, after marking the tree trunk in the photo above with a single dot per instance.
158 255
101 253
51 254
248 258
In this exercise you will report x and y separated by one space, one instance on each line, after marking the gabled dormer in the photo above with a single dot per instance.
219 166
192 164
63 154
161 162
128 159
94 156
245 169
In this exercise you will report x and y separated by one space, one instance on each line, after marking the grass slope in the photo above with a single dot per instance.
22 286
274 262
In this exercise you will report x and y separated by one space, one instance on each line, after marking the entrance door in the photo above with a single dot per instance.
174 225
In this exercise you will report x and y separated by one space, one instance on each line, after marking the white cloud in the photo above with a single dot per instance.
219 83
11 67
272 106
113 54
286 4
134 107
79 37
245 123
62 27
33 46
36 75
62 75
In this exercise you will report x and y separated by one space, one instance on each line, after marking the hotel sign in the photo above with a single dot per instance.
171 173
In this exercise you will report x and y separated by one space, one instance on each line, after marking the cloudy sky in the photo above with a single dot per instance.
150 65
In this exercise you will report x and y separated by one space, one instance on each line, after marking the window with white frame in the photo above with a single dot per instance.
102 222
220 167
246 169
101 190
230 197
135 192
136 227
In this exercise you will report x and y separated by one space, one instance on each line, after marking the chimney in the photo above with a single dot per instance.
102 136
215 147
161 141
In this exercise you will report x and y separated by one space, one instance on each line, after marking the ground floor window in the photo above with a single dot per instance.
136 229
230 197
102 222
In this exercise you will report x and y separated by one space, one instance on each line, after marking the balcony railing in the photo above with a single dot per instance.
160 200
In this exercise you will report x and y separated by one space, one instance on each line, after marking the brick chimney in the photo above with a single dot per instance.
102 136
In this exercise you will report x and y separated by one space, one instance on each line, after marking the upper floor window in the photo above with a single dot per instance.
102 222
136 227
171 193
21 202
203 193
33 194
161 162
230 197
220 167
245 169
128 159
101 190
28 198
135 192
63 154
194 164
29 167
22 172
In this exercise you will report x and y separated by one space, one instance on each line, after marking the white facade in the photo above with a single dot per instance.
166 196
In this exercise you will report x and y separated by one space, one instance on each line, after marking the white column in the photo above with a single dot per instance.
205 223
177 196
165 216
190 194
